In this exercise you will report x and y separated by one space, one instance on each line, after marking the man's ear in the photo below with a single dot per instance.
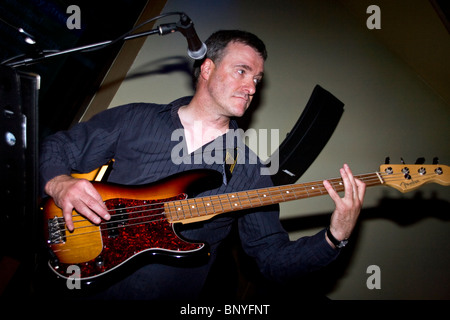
206 68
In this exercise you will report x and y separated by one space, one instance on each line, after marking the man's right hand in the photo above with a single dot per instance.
70 193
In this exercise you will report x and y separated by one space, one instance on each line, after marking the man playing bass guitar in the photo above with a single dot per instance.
139 137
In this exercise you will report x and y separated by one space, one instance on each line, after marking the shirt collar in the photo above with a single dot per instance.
177 104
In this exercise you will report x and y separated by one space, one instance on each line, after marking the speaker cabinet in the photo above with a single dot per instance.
18 162
308 137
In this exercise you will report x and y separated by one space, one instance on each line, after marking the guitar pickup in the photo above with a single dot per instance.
56 231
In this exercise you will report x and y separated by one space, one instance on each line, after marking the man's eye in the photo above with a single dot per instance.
256 81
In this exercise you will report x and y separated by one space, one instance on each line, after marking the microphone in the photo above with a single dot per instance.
196 48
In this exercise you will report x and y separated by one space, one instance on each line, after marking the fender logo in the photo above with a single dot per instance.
410 184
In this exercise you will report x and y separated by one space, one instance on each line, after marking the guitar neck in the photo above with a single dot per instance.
203 208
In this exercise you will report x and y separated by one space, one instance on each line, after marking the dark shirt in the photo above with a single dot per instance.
147 144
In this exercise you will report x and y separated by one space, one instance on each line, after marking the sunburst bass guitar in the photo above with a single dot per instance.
143 217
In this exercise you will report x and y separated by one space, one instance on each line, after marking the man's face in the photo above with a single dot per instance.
232 81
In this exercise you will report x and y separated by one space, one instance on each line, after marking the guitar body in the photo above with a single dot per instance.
138 225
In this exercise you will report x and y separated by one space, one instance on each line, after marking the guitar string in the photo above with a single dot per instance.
335 182
163 213
151 217
314 184
292 187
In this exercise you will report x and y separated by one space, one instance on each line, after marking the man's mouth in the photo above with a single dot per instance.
242 96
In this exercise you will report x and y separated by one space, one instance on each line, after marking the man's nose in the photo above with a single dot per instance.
250 87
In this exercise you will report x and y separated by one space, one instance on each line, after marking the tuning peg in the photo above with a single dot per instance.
420 160
402 161
435 160
387 160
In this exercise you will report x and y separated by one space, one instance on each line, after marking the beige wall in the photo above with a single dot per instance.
389 111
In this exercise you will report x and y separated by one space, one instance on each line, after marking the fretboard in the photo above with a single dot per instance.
203 208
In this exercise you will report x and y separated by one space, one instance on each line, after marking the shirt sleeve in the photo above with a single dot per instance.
279 258
83 148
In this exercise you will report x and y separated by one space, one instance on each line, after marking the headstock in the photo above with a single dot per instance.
407 177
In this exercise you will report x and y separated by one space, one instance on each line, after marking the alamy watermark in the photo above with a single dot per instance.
258 141
374 280
374 20
74 20
73 281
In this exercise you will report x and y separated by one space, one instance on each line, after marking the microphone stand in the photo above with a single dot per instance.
162 30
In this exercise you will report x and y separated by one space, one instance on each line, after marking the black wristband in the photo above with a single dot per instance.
336 242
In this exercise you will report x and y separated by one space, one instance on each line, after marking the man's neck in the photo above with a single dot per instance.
201 126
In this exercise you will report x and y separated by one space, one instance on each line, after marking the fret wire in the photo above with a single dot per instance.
265 192
239 200
255 195
281 193
306 189
229 201
248 199
217 199
287 190
281 190
270 194
264 196
242 200
189 206
182 210
286 193
171 213
197 201
236 198
340 185
221 203
210 205
259 198
227 198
